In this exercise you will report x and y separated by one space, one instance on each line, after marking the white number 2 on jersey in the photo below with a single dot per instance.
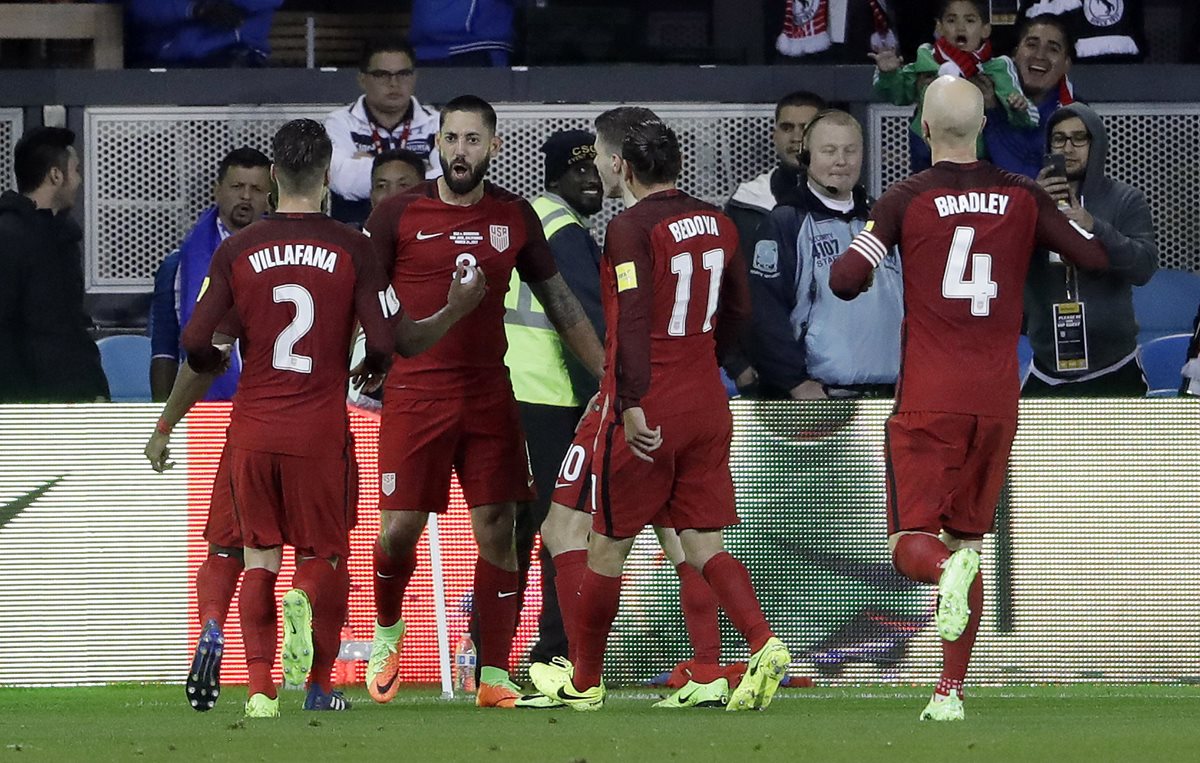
981 289
681 265
282 357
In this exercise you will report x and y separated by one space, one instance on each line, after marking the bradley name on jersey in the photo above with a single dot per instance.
972 201
294 254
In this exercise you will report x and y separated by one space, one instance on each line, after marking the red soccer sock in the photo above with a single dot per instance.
259 628
700 617
920 557
392 573
731 584
599 598
327 588
957 654
569 567
216 582
496 603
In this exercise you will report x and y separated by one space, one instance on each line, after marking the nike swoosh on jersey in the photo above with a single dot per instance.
503 595
423 236
10 510
557 485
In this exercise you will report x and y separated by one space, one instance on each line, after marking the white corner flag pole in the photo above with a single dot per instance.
439 608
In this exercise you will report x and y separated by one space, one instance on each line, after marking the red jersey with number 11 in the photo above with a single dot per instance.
966 234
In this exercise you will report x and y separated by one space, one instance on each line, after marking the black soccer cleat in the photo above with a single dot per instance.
204 679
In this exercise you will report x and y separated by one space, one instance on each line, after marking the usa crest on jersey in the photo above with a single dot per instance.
499 236
388 483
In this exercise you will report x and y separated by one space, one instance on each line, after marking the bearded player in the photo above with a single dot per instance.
671 280
966 232
453 407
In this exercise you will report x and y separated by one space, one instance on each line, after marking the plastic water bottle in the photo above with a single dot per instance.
464 664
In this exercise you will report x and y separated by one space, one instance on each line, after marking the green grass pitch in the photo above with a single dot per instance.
1028 723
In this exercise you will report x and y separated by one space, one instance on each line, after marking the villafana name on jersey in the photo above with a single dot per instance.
294 254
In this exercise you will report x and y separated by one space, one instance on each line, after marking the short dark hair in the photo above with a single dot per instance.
411 158
1048 19
613 125
652 151
245 157
472 104
800 98
385 45
38 151
302 151
983 9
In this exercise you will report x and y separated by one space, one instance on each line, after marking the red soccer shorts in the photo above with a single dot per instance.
573 485
945 471
307 502
688 486
221 529
480 437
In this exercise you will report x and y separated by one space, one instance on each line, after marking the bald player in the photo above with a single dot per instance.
966 232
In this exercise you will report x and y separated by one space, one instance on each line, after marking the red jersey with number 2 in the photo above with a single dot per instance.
966 234
671 271
298 282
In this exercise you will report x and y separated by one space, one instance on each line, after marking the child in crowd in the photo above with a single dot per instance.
960 48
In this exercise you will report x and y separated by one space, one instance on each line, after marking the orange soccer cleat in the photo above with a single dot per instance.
503 695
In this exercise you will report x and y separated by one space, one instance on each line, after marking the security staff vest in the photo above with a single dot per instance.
535 359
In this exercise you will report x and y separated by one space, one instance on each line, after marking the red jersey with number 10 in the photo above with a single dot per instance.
671 273
298 282
966 234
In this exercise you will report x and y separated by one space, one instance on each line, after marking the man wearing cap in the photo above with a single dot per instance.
550 385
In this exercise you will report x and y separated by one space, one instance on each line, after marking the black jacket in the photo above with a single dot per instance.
46 352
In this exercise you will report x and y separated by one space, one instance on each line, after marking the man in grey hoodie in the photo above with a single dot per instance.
1081 324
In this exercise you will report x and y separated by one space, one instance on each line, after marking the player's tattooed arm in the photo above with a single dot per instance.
571 322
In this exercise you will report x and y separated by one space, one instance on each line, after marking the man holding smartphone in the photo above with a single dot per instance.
1081 324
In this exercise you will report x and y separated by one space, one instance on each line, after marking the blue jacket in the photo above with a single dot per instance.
163 32
444 28
802 330
176 287
1019 149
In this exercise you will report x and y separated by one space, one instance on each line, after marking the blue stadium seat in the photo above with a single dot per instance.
1166 305
1162 361
126 361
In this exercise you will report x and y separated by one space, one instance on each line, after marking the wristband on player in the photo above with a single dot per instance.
162 427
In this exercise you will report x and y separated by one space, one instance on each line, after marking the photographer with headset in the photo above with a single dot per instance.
808 344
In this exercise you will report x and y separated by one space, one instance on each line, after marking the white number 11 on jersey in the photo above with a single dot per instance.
981 289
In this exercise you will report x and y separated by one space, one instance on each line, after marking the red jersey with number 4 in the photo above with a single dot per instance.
966 233
298 282
420 238
670 275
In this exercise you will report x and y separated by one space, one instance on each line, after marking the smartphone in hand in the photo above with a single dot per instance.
1057 163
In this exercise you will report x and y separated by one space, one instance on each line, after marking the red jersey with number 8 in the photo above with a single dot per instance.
670 274
966 233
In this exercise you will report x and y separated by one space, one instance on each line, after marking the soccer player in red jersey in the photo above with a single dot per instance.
453 407
568 523
661 454
298 281
966 232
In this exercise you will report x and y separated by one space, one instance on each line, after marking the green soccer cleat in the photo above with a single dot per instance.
953 612
262 706
538 701
767 668
584 701
383 669
548 676
712 694
949 708
297 653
